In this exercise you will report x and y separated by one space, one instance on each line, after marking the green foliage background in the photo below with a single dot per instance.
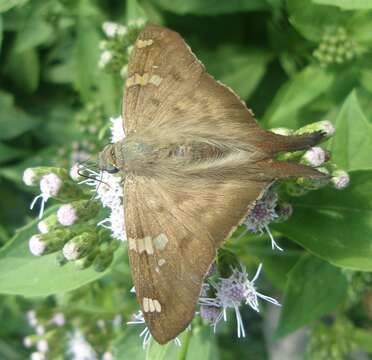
49 79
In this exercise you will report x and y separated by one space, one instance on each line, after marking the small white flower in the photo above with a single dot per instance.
79 348
42 227
66 215
42 346
110 190
31 318
27 342
59 319
50 185
110 28
328 127
107 356
40 330
36 245
37 356
29 177
315 156
74 172
117 223
105 58
340 179
117 129
70 251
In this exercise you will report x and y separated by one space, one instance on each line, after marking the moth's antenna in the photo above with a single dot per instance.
99 184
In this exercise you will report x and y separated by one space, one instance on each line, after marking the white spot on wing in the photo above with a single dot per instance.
156 80
160 241
143 43
157 305
146 304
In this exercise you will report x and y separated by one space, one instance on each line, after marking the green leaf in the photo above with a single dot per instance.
86 55
8 153
202 344
21 273
13 121
298 92
24 69
241 68
314 289
129 344
210 7
347 4
6 5
1 33
351 146
335 225
35 30
311 20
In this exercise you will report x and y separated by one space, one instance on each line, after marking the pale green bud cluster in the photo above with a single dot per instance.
332 342
118 45
336 47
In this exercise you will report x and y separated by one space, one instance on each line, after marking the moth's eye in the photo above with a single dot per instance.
111 169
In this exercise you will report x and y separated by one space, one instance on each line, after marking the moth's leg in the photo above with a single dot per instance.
274 143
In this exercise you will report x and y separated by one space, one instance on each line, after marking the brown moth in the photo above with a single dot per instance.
194 160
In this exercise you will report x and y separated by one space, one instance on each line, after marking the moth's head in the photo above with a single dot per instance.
107 159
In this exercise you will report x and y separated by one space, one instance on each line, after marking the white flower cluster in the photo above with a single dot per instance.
232 292
41 341
109 189
79 348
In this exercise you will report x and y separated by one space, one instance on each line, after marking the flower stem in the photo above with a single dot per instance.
185 345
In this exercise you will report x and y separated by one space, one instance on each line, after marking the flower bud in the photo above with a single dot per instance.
48 224
38 356
103 260
77 211
284 211
314 157
42 345
32 176
51 185
340 179
87 260
209 313
325 126
59 319
47 243
29 341
79 246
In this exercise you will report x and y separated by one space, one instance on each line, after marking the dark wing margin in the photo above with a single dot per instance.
174 230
